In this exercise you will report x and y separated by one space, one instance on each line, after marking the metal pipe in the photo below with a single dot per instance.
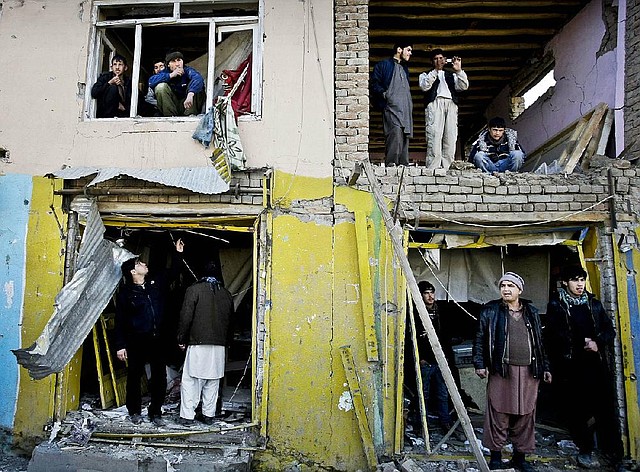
148 191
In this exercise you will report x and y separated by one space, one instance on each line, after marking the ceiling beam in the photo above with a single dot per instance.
492 33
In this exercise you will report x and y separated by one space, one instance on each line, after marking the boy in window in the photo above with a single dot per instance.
150 98
179 89
112 90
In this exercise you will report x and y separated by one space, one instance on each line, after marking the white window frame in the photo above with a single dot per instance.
217 26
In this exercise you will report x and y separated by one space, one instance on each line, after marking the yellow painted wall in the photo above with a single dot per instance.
44 271
316 309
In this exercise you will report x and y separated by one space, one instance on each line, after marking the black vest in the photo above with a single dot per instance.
431 94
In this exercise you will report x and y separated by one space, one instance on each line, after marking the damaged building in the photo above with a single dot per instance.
318 243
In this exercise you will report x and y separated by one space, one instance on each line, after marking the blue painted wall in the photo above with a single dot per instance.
15 197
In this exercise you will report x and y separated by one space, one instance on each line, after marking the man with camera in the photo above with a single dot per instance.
441 89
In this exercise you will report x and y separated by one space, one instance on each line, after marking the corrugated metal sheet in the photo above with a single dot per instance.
205 180
79 303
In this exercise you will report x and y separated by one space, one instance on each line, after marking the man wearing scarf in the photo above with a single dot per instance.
578 334
202 330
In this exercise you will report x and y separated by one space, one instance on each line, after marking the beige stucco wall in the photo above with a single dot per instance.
45 43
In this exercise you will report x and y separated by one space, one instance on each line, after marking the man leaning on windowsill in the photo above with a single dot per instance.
179 89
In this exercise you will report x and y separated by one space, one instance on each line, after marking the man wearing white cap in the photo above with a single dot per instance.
508 350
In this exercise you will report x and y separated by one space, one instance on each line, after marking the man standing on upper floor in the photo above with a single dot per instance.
497 148
441 89
391 93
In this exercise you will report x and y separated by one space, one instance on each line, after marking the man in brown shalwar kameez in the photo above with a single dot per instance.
508 350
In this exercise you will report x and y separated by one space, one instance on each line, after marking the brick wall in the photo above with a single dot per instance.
632 73
473 195
351 84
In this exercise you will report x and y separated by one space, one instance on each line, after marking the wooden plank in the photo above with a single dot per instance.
585 137
570 143
395 233
358 405
420 385
366 289
627 301
119 400
606 131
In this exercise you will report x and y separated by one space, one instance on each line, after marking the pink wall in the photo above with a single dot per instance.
583 80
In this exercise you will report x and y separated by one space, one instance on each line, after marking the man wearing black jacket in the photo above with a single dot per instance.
508 349
578 336
139 335
112 90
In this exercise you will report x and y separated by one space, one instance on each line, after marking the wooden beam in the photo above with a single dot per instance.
448 33
366 289
532 16
451 5
560 217
395 233
586 134
358 405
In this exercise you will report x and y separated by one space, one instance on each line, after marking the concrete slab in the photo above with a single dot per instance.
136 458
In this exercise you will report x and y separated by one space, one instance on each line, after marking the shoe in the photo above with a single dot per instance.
157 420
207 419
136 418
587 461
186 421
518 462
496 461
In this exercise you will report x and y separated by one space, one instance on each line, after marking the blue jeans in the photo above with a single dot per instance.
513 162
432 380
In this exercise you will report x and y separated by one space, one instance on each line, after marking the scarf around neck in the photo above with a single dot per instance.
571 300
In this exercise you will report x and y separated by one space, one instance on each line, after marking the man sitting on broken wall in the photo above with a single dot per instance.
179 89
497 148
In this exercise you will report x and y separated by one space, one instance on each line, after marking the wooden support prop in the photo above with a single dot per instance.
588 128
366 295
114 381
395 233
416 365
358 405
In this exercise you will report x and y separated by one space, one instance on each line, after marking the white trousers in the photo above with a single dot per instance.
441 117
191 390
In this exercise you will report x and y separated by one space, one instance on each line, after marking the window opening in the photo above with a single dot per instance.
233 253
539 89
532 83
218 41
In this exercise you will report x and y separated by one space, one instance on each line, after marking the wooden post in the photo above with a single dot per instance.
395 232
358 405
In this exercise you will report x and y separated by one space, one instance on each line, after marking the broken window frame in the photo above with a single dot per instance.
216 25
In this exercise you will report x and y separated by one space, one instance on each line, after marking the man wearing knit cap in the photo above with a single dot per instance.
508 350
179 89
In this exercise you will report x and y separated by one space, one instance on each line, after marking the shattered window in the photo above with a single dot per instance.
220 41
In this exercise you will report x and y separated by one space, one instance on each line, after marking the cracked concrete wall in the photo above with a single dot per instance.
585 77
315 308
48 41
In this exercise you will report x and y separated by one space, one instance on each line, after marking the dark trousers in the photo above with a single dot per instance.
108 104
396 143
589 409
433 382
141 350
